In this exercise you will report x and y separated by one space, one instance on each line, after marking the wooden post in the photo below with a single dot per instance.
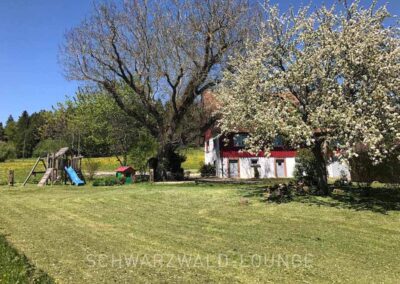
151 175
11 177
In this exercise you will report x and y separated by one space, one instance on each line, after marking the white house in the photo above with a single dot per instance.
227 155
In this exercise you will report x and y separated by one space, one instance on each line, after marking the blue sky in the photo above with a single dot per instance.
30 34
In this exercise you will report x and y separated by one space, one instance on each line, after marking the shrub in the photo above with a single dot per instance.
91 166
305 169
7 151
364 171
207 170
107 181
142 151
172 166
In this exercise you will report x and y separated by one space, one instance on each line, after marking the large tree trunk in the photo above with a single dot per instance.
321 171
169 164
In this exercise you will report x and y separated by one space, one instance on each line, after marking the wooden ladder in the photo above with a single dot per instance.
46 177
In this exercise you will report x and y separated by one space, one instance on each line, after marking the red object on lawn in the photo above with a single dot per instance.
125 170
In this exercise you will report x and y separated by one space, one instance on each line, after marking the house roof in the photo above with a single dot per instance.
125 170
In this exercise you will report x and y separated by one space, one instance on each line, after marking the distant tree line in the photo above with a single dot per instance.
91 123
21 136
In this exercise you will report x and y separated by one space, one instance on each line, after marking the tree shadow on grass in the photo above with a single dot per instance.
359 203
253 192
16 267
379 200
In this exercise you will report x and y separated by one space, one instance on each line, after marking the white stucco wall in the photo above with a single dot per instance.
290 166
210 153
246 170
267 165
267 169
335 169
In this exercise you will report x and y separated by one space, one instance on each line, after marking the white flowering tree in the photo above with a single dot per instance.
322 79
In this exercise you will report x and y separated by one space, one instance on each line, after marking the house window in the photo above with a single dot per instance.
278 142
254 162
238 140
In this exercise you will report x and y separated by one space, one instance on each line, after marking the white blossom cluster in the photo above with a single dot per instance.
330 75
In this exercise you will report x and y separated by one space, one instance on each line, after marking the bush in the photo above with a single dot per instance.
7 151
107 181
142 178
172 166
142 151
91 166
207 170
364 171
305 169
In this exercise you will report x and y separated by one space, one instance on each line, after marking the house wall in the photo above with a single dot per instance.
246 171
266 168
212 155
210 152
267 165
336 168
290 166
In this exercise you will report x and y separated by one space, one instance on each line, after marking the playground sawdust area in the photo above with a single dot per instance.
190 233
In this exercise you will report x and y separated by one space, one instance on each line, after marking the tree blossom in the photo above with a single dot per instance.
327 78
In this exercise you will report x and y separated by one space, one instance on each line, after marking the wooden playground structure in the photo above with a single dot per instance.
55 165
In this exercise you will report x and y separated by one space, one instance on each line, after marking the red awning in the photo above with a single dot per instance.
274 154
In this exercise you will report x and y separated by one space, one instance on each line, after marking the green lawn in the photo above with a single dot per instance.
95 235
15 268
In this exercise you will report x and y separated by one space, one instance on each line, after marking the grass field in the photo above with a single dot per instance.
194 158
107 164
198 233
15 268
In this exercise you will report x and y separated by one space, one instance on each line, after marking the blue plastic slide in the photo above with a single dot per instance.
74 176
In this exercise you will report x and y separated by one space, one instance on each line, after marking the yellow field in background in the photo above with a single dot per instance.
195 156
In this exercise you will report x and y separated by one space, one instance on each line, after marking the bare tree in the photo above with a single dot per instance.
155 58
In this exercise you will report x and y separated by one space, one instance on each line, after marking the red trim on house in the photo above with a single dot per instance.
237 154
283 154
274 154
